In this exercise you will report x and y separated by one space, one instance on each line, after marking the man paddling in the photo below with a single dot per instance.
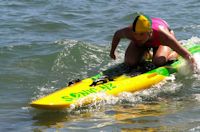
146 33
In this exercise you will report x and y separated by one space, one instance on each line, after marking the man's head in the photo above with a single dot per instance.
142 28
142 24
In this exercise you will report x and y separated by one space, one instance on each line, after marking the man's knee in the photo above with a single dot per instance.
130 62
160 61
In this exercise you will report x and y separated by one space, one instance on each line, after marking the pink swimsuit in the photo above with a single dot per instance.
156 22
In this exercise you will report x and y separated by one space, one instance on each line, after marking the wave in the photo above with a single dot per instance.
74 60
50 66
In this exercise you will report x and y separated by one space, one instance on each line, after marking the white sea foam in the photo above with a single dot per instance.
196 97
195 129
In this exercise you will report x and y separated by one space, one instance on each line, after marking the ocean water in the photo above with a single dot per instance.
46 43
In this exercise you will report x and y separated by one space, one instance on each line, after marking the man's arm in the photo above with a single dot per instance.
116 39
170 40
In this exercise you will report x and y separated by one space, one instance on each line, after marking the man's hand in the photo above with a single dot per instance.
112 55
192 63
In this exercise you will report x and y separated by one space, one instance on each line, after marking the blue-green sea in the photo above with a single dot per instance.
44 44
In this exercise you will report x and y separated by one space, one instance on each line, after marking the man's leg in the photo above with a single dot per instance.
134 55
163 54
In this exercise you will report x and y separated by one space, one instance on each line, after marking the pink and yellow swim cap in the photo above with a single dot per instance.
142 23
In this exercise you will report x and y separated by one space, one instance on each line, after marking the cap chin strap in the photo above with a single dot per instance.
149 35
